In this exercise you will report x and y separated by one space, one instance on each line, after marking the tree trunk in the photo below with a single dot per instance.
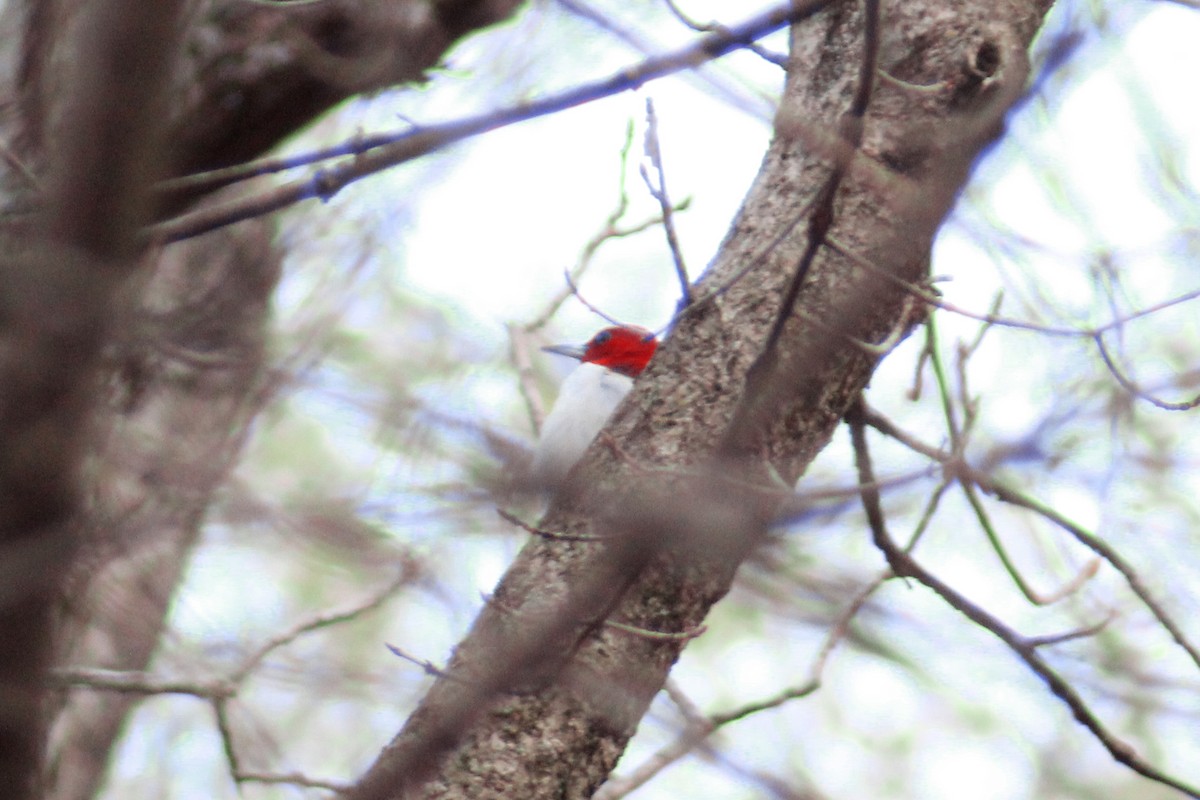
541 697
182 359
189 379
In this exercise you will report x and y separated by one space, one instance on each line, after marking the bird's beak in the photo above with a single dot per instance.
572 350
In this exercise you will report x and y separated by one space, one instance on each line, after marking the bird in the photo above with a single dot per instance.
587 398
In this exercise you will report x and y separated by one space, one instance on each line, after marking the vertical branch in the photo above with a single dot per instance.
104 142
658 190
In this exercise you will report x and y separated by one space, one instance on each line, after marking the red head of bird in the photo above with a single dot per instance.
626 349
589 395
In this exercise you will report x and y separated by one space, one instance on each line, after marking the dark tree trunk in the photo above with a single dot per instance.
153 382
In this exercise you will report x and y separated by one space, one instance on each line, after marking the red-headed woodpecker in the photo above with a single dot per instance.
587 398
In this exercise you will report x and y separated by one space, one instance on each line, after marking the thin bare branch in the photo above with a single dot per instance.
544 534
429 668
290 778
959 469
992 318
222 692
1130 386
904 565
372 602
959 439
519 350
608 231
778 59
138 682
412 144
1068 636
658 190
699 726
752 103
578 295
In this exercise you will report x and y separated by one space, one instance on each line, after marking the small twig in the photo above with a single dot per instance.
138 682
657 636
778 59
545 534
1095 333
607 232
1106 552
221 693
18 164
579 296
220 707
920 88
519 351
1137 391
931 506
691 712
1078 633
756 104
752 263
957 444
322 621
1009 322
212 180
959 439
291 779
427 666
658 190
837 632
1085 574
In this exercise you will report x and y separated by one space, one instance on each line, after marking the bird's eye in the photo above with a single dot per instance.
601 338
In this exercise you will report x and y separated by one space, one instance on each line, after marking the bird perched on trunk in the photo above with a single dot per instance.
587 398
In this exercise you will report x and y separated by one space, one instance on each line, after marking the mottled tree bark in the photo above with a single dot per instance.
251 74
541 698
152 391
63 272
187 378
